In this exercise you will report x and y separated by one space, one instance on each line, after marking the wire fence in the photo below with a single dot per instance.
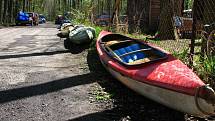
194 27
203 27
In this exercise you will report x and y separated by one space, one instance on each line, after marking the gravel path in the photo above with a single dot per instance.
42 81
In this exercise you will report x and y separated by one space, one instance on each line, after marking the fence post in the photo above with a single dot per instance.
192 45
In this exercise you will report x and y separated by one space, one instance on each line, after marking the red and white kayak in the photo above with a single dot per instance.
155 74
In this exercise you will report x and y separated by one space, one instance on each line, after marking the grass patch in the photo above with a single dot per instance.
98 30
101 95
206 69
183 56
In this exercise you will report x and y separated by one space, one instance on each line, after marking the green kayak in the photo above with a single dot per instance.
81 35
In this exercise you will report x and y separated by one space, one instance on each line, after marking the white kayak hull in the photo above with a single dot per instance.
175 100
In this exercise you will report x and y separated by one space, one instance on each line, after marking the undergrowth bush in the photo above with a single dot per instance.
98 30
206 69
183 56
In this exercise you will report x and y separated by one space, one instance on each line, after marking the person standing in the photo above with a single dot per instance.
178 24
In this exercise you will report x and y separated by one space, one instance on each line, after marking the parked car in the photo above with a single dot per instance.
61 20
23 18
42 19
27 18
103 20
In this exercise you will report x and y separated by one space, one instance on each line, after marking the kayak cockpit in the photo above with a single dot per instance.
132 52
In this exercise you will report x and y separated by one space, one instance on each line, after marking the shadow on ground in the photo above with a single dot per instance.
127 103
34 54
106 115
74 48
44 88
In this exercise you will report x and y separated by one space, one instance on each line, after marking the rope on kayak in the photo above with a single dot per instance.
197 102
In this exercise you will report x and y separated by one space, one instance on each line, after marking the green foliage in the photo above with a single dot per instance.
183 56
101 95
81 15
206 69
98 30
188 4
78 16
137 36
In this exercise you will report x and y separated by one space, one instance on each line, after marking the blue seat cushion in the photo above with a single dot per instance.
126 59
140 55
132 57
118 53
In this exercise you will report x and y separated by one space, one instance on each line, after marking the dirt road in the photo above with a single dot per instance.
42 81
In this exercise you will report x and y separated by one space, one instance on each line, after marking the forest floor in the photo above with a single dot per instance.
42 81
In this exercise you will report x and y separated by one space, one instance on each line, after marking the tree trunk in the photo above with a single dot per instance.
109 6
10 11
23 5
5 11
1 1
73 4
